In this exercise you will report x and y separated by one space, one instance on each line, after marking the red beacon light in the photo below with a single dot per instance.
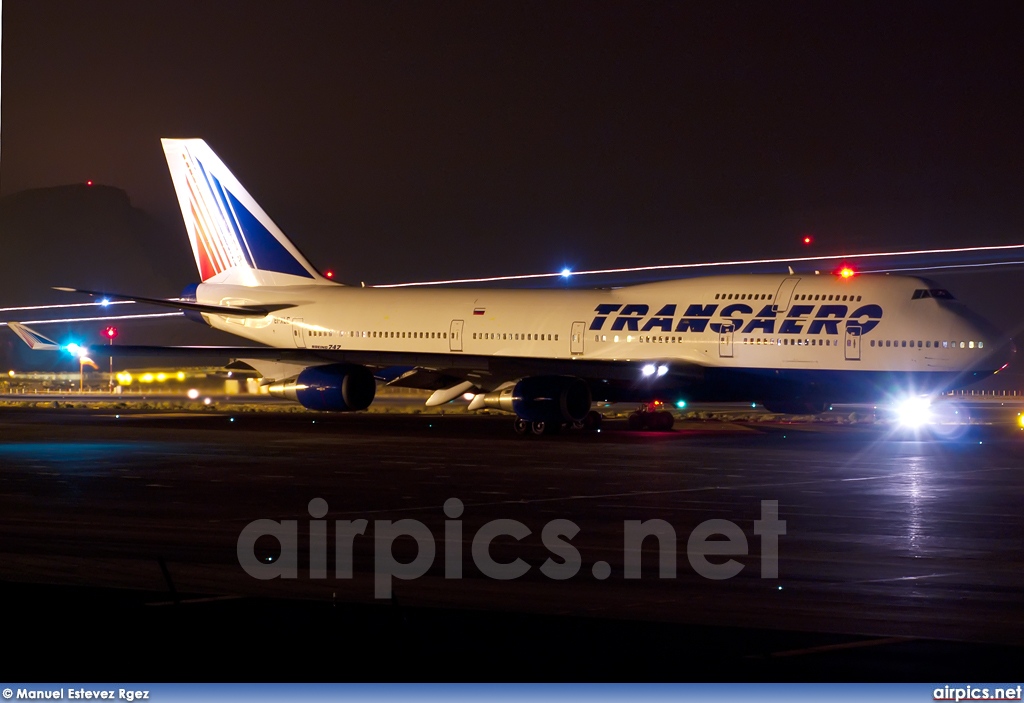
110 333
328 273
846 272
808 239
88 183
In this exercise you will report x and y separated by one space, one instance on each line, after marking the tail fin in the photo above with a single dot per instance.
233 239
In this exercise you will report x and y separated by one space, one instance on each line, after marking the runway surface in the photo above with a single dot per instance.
901 558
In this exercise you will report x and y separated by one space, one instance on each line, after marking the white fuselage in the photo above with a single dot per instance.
865 323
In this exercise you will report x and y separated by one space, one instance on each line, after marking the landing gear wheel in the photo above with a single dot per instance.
636 421
592 421
539 427
521 426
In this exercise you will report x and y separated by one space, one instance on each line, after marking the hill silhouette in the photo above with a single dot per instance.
89 237
86 237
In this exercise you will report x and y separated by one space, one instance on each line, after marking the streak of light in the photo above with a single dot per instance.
67 305
744 262
98 319
949 266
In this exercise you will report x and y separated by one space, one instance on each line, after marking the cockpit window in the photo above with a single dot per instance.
933 293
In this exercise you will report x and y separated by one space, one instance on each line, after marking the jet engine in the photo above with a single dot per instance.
340 387
541 399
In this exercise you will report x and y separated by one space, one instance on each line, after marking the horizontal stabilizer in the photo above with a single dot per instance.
226 310
34 340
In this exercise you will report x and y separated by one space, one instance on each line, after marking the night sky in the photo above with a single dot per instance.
398 141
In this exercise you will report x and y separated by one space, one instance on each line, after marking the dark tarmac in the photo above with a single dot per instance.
902 557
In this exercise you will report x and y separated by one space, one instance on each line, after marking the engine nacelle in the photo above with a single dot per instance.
341 387
543 399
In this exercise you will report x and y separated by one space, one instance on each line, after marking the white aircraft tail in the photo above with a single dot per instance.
233 240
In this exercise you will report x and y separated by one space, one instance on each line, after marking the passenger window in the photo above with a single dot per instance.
981 345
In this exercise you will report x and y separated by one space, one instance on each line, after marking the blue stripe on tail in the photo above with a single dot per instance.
268 254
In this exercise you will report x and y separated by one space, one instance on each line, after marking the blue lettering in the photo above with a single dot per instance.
765 321
602 312
663 321
727 312
873 313
696 319
821 322
792 325
624 321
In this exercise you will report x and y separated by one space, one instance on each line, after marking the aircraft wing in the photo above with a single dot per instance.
437 369
226 310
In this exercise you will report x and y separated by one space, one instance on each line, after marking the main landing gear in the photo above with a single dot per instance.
648 417
590 423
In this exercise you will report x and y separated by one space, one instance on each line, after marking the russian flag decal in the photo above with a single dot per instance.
479 311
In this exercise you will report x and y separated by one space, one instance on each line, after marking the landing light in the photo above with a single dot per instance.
566 273
76 350
662 370
914 412
648 370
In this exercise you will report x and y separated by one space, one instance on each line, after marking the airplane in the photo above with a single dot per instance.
793 343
